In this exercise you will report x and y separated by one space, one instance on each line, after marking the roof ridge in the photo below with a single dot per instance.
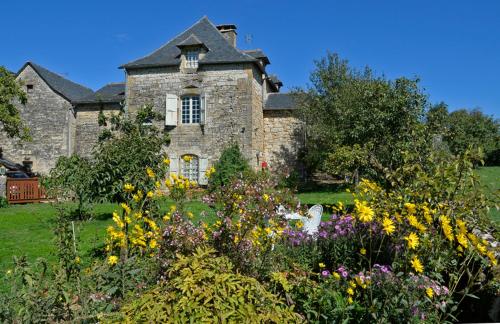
57 74
168 42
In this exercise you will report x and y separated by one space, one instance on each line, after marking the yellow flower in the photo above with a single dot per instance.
336 275
413 240
166 161
350 291
429 292
481 248
321 265
462 240
417 265
388 226
190 215
77 260
299 224
157 184
126 208
112 260
153 244
166 218
265 197
492 257
136 198
150 172
128 187
410 208
349 300
362 251
365 213
118 221
447 230
187 158
150 194
462 226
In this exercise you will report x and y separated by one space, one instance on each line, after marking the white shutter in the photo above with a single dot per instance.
203 109
171 110
174 165
202 179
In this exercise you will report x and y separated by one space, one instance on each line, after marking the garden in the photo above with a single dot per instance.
410 236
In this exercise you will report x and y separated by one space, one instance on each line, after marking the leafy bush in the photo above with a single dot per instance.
3 202
125 153
203 287
71 178
248 222
230 164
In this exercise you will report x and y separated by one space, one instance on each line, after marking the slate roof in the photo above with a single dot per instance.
110 93
274 79
192 40
219 49
68 89
258 54
279 101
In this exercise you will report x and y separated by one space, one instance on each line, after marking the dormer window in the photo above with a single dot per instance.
192 59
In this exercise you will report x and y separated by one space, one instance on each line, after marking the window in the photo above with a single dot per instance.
190 167
29 87
191 110
192 59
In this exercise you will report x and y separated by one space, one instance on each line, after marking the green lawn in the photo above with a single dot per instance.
27 229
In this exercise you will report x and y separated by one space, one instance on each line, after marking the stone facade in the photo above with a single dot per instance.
232 85
87 128
51 122
283 138
229 95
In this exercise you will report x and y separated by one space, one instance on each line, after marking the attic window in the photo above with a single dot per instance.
29 87
192 59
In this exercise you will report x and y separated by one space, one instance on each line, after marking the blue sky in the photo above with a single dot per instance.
453 46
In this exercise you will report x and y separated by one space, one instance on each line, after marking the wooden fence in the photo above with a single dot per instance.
21 191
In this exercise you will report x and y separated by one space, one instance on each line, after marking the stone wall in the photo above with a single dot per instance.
283 138
229 92
87 126
257 116
48 115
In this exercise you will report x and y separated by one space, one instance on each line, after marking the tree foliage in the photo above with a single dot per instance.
10 118
230 164
71 178
463 129
348 109
125 152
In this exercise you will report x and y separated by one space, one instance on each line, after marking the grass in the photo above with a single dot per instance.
27 229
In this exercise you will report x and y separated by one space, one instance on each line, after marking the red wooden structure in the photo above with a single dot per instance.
21 191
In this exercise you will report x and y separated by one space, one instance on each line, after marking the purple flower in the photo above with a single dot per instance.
325 273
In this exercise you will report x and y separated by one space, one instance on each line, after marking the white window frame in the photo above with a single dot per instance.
192 58
190 169
191 109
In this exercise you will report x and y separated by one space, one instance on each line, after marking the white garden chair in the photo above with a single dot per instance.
311 221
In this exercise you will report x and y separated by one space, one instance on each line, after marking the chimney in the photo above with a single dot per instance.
229 33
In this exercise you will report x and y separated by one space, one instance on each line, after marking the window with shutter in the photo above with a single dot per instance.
171 110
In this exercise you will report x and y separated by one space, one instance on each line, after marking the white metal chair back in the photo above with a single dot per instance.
311 224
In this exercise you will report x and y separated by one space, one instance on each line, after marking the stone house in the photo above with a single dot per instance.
210 92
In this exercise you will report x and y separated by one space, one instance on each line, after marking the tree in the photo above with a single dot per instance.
124 153
347 109
463 129
231 164
473 129
10 118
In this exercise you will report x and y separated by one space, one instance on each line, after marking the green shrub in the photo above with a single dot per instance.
124 154
204 288
3 202
71 179
231 164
